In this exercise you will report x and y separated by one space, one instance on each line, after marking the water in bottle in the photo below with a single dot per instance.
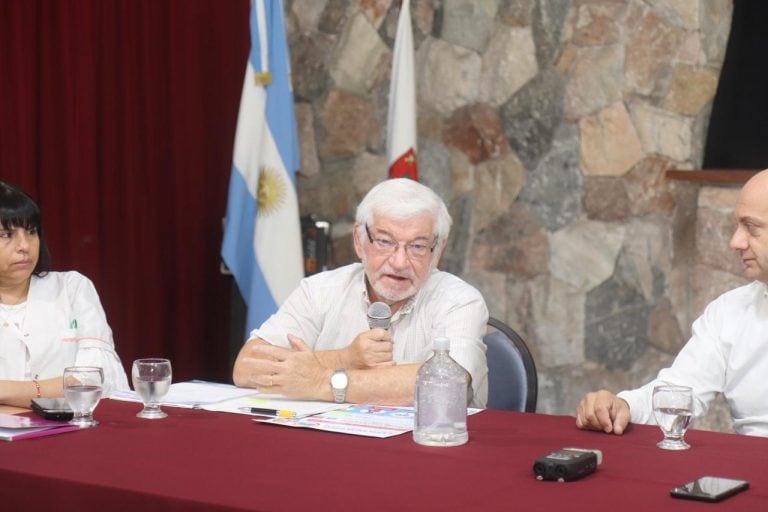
441 399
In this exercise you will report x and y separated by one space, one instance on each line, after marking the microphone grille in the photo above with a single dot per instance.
379 315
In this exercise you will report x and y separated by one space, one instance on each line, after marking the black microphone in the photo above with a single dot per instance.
379 315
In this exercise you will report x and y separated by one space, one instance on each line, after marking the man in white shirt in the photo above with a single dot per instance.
728 351
319 345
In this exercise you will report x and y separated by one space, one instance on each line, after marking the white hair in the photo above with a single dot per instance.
404 198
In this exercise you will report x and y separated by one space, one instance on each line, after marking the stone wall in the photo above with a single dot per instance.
547 126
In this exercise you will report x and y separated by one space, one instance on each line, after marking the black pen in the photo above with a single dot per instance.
278 413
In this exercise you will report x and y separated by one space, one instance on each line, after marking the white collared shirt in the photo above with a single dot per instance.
727 353
63 324
328 310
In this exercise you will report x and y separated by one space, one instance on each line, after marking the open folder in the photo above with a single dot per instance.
15 427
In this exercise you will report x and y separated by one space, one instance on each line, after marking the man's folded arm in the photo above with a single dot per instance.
302 374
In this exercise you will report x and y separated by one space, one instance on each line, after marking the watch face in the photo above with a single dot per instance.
339 380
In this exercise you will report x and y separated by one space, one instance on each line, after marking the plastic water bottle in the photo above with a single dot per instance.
441 399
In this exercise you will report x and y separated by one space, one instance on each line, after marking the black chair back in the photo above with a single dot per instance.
512 379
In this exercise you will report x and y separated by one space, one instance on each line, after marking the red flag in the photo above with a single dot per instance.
401 119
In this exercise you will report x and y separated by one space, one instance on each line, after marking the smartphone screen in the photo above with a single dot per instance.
710 488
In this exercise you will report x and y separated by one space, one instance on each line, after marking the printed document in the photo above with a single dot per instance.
362 420
192 394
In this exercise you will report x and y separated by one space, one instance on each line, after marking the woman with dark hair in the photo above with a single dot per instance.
48 320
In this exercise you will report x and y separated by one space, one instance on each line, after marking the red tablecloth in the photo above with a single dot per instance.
198 460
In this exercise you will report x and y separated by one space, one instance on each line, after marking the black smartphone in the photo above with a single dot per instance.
710 488
52 408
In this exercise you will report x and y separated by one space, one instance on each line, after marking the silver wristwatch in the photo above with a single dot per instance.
339 383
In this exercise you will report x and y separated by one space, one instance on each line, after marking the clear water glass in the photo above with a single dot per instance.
673 409
83 386
151 381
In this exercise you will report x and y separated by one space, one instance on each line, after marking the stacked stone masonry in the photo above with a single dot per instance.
547 126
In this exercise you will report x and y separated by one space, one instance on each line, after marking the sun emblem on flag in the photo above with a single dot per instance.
271 192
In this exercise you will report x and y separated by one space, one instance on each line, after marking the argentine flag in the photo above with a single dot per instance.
262 238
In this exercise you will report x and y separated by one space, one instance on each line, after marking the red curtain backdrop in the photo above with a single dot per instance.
118 116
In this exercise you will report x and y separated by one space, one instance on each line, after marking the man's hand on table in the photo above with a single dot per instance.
602 410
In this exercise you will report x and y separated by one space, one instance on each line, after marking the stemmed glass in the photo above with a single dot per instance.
673 409
151 381
83 386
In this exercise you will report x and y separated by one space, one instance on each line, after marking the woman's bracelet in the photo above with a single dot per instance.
37 386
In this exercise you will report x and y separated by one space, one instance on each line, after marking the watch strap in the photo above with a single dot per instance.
339 392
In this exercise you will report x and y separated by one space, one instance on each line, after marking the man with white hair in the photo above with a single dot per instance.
728 352
319 345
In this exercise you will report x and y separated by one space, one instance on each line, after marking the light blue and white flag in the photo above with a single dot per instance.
262 236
